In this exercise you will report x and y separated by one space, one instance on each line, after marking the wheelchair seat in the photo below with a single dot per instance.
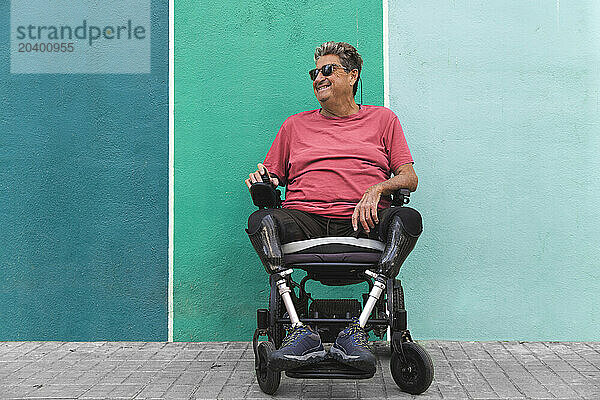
332 250
333 260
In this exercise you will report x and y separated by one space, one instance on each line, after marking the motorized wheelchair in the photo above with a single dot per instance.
336 261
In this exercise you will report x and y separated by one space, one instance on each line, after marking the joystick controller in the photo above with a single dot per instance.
264 194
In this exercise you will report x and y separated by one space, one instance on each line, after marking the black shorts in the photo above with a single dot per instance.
297 225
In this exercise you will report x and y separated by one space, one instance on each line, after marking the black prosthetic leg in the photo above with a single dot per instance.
401 239
302 345
267 244
402 234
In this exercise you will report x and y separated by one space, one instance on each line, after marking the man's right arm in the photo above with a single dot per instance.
276 159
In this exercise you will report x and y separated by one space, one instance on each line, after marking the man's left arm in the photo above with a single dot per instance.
365 211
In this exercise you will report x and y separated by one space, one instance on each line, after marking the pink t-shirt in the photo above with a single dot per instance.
328 163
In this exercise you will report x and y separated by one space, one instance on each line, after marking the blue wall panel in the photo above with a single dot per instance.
84 200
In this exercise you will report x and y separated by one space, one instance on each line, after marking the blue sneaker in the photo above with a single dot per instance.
351 347
300 347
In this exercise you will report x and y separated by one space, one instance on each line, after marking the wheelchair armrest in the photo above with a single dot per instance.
401 197
264 195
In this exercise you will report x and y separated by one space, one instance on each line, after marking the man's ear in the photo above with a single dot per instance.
354 76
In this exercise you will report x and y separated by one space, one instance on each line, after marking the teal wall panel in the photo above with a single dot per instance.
84 200
500 103
241 68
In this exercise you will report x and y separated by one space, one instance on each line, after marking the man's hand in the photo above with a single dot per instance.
366 209
256 176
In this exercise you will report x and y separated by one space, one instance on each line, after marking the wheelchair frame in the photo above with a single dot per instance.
411 366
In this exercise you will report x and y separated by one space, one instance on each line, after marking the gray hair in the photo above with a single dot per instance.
348 55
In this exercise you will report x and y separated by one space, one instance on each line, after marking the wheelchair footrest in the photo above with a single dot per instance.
328 369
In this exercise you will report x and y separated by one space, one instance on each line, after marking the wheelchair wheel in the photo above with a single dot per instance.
268 380
416 374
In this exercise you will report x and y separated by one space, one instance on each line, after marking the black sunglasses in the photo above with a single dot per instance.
326 70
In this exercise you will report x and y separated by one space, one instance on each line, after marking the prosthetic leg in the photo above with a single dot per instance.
302 345
268 246
399 244
351 345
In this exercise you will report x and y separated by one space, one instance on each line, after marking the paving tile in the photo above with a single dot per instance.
61 391
207 392
233 391
98 391
179 392
125 391
153 391
15 390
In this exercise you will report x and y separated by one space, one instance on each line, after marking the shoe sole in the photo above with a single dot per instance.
353 361
285 363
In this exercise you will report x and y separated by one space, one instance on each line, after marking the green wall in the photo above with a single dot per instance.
241 68
500 103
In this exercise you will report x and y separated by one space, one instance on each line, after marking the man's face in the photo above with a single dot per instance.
337 85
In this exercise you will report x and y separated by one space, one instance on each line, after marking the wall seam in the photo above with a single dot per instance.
171 166
386 56
386 81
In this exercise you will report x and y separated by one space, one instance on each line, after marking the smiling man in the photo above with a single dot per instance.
339 163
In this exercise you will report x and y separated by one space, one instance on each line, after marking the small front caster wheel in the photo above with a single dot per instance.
415 375
268 380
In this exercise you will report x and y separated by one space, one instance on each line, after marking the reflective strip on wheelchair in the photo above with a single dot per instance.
295 247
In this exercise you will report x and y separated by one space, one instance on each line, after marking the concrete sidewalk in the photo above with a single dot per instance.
225 370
